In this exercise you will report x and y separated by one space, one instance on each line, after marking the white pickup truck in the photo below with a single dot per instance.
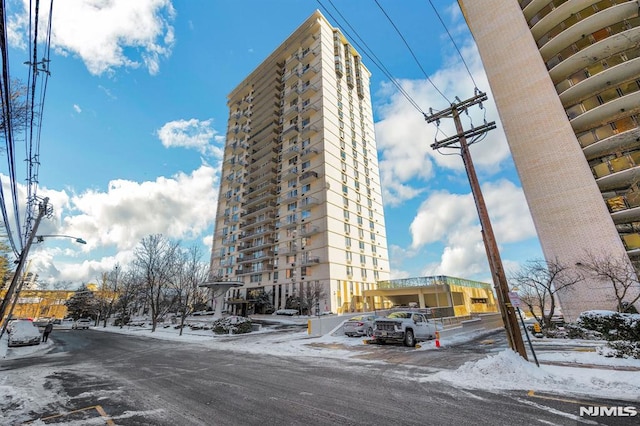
404 327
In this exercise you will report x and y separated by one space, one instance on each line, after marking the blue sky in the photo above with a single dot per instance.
135 116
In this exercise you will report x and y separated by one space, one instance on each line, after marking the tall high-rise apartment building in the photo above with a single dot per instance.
300 206
565 76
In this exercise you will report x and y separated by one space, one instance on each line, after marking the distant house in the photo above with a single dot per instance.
41 303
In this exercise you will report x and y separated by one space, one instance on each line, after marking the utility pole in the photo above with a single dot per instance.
459 141
43 210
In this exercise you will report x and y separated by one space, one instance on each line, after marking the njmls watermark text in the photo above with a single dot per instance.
615 411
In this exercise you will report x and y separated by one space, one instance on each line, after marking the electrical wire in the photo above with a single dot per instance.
369 53
5 87
33 111
454 43
46 60
29 118
411 51
34 126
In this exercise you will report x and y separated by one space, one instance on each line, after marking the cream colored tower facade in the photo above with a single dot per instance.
300 207
565 76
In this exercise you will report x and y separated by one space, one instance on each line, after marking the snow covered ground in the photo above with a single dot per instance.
583 371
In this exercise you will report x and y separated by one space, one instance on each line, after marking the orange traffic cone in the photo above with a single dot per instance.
437 339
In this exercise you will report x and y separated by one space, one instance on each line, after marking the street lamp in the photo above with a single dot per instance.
40 238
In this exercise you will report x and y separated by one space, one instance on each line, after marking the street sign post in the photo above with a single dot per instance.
516 302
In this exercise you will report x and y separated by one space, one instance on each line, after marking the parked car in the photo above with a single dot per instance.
202 313
23 333
42 321
82 323
289 312
406 327
360 325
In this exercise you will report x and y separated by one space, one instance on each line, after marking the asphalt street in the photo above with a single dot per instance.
129 380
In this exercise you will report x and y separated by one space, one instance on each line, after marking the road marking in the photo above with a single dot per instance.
532 394
556 411
104 415
98 408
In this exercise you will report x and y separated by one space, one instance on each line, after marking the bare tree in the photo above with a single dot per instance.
312 293
128 285
619 272
62 285
6 266
191 273
108 293
538 281
20 110
156 258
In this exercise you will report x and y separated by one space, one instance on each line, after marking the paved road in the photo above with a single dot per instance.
128 380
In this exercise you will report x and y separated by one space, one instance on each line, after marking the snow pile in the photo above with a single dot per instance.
513 370
506 370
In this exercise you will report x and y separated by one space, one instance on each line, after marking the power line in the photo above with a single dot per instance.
454 43
374 59
5 87
31 120
34 125
411 51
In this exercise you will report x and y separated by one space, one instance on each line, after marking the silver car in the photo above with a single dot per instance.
360 325
82 323
23 333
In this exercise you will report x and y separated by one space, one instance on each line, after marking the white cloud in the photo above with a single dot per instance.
77 108
107 92
453 220
113 222
404 138
178 207
99 32
191 134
